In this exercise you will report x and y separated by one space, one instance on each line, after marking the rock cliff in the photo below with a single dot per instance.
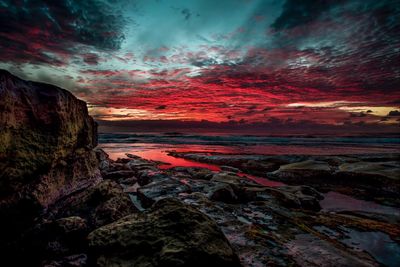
46 147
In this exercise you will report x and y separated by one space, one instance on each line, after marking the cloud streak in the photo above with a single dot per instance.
53 32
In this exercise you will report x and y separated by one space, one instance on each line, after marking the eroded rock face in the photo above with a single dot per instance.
102 204
170 234
63 231
46 142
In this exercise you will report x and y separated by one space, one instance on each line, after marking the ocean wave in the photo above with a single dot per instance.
242 139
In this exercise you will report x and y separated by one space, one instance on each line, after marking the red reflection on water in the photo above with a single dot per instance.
157 154
261 180
161 155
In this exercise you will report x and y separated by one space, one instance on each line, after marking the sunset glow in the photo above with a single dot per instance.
331 63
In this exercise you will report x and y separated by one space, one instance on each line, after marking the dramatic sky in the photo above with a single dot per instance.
269 63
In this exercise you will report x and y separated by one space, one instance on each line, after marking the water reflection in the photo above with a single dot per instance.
336 202
158 152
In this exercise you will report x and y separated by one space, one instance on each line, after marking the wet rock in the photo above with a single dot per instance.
102 204
363 221
389 169
375 179
303 190
308 169
194 172
202 174
128 181
224 193
138 164
123 160
308 250
115 166
132 188
171 234
148 175
115 175
230 169
298 197
141 165
300 172
155 191
250 228
382 175
253 164
262 223
144 177
260 167
229 178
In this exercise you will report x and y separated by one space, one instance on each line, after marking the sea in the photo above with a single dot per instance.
155 146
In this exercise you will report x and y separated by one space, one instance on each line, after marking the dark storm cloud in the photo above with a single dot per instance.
161 107
186 13
296 12
330 46
49 32
394 113
91 59
358 115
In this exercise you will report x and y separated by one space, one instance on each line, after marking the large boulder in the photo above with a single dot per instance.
170 234
46 148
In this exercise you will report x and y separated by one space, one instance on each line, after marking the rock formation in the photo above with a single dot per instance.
46 141
170 234
56 190
46 150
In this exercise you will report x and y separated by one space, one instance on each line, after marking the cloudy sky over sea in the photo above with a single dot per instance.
269 62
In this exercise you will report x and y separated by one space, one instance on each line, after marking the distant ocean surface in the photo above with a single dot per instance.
154 146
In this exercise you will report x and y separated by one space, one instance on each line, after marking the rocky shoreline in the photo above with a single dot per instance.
279 226
64 202
370 176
